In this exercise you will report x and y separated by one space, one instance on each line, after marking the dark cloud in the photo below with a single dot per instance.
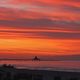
70 8
73 0
27 22
42 23
61 35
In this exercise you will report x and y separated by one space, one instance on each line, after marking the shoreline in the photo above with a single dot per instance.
27 74
43 68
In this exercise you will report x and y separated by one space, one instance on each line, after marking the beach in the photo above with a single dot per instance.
11 73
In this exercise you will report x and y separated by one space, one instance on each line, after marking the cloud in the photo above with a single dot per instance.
42 23
70 8
41 27
41 34
40 6
61 35
46 17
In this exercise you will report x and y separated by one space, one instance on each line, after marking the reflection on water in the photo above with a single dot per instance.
49 65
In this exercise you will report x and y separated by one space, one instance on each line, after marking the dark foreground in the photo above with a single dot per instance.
11 73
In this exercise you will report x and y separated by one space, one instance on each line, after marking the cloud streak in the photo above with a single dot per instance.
42 24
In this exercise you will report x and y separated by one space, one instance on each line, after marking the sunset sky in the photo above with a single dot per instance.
39 27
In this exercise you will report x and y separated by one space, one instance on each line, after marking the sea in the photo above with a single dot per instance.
73 66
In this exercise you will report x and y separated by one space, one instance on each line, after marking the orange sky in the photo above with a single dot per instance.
39 27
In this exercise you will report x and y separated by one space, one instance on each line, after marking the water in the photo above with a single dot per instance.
45 65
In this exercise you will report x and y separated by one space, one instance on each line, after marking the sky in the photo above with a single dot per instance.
39 27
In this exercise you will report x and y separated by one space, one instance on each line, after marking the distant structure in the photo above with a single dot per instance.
7 66
36 59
